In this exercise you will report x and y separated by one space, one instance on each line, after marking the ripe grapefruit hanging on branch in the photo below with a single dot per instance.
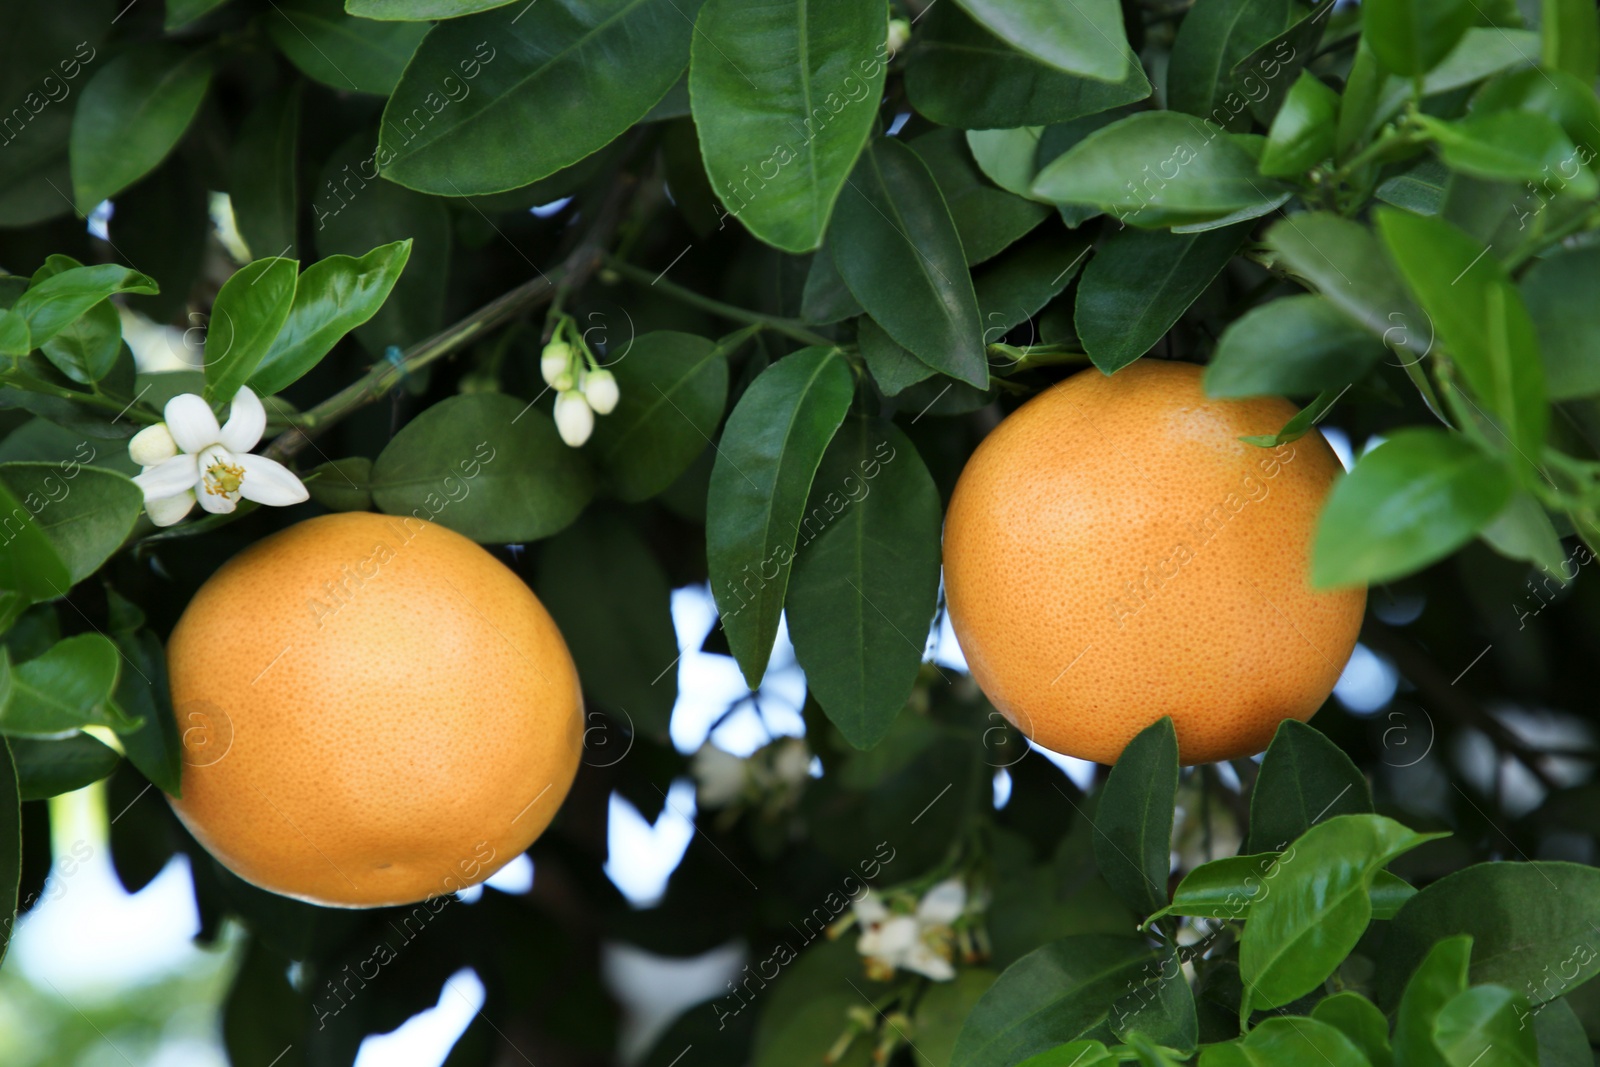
1114 553
374 711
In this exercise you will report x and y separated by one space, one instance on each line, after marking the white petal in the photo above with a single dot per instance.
152 446
720 775
168 479
870 910
266 481
943 903
221 474
247 421
574 418
170 509
925 961
193 426
600 389
218 503
897 937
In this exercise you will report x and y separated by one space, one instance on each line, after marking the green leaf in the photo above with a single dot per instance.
770 450
29 563
332 297
961 75
673 388
250 310
826 298
1214 36
14 337
1133 819
1302 133
1300 344
941 1010
486 465
87 348
131 114
1421 187
793 87
1562 1041
1410 37
1524 531
613 603
341 484
1138 285
155 748
342 52
1509 146
1187 172
1020 283
264 185
1571 38
1486 1026
70 686
1543 952
1318 908
1304 779
1058 993
1360 1020
86 513
1225 889
1160 1008
1275 66
1072 1054
1483 51
1343 261
1414 499
866 578
1287 1040
988 220
50 768
1440 976
581 72
182 12
419 10
897 249
893 368
10 845
1009 158
54 303
1084 38
1555 290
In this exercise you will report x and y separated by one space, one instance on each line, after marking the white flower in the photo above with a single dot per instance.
574 418
899 34
719 776
600 389
919 942
190 457
792 764
555 364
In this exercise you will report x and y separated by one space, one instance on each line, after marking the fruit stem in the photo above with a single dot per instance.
787 327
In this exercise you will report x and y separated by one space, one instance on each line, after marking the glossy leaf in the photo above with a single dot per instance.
419 10
1414 499
1304 779
1302 133
1410 37
792 86
264 190
1509 146
1344 262
768 456
1440 976
1359 1020
1571 38
29 563
132 112
897 249
1487 1026
1553 288
50 768
1213 37
826 298
1297 345
1225 889
332 297
1138 285
54 303
1009 158
1287 1040
1133 819
1084 38
1158 1008
1015 286
866 578
486 465
250 310
70 686
339 51
961 75
988 220
580 73
673 389
1318 908
1058 993
86 513
87 348
893 368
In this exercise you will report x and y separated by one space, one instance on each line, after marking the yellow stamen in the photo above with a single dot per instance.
223 479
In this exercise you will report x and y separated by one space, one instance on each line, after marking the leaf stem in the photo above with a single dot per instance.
787 327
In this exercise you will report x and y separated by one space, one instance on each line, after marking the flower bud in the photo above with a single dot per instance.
899 34
555 362
600 389
152 445
574 419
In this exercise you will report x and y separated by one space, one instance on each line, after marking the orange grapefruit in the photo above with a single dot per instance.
1114 553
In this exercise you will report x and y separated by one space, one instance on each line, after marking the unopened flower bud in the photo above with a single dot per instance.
152 445
600 388
574 418
555 362
899 34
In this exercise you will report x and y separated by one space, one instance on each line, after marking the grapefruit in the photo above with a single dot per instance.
1114 553
374 711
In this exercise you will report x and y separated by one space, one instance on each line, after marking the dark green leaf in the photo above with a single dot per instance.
1133 820
1302 133
1359 1020
14 337
1555 290
182 12
1225 889
1160 1007
29 562
1304 778
866 578
770 450
1344 262
1571 37
613 604
131 114
1084 38
1009 158
341 484
898 251
1421 187
155 748
1438 978
10 845
54 303
1214 36
1297 345
1017 285
1267 74
1562 1041
246 318
826 298
792 87
72 685
50 768
581 72
332 297
486 465
264 1015
1055 994
1486 1026
87 348
264 187
85 512
1543 952
1414 499
963 76
892 367
342 52
1410 37
987 219
1073 1054
673 388
1138 285
419 10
